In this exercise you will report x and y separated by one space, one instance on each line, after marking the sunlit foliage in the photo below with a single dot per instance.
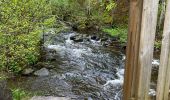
21 23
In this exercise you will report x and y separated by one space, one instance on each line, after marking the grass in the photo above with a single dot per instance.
121 34
118 32
19 94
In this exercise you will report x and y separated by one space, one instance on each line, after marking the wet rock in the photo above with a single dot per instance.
52 86
75 27
72 38
94 37
106 44
40 65
27 71
44 65
5 93
86 40
124 47
90 80
42 72
77 38
50 54
114 39
85 35
104 39
49 98
89 98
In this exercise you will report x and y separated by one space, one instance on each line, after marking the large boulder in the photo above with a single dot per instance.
5 93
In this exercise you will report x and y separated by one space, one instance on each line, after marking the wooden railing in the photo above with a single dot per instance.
139 55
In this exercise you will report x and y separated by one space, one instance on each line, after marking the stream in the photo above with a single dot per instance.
80 66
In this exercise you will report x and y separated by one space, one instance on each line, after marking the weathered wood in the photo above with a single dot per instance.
132 48
142 28
164 69
148 30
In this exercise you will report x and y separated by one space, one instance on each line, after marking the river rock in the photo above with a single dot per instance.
114 38
42 72
44 65
77 38
94 37
49 98
27 71
5 93
104 39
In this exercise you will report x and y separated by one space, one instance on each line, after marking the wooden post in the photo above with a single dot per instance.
142 28
164 69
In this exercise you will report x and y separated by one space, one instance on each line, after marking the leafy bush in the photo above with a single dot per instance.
119 32
20 51
21 22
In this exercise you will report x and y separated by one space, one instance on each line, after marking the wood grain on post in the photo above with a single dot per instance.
142 28
164 69
132 48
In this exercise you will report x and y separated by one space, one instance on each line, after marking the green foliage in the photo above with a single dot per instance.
21 51
111 5
157 45
18 94
83 13
119 32
22 16
2 78
65 9
21 22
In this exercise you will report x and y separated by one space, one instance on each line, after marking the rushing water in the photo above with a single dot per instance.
84 70
92 70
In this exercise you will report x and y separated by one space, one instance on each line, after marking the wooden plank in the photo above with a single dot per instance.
142 28
132 48
148 30
164 69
